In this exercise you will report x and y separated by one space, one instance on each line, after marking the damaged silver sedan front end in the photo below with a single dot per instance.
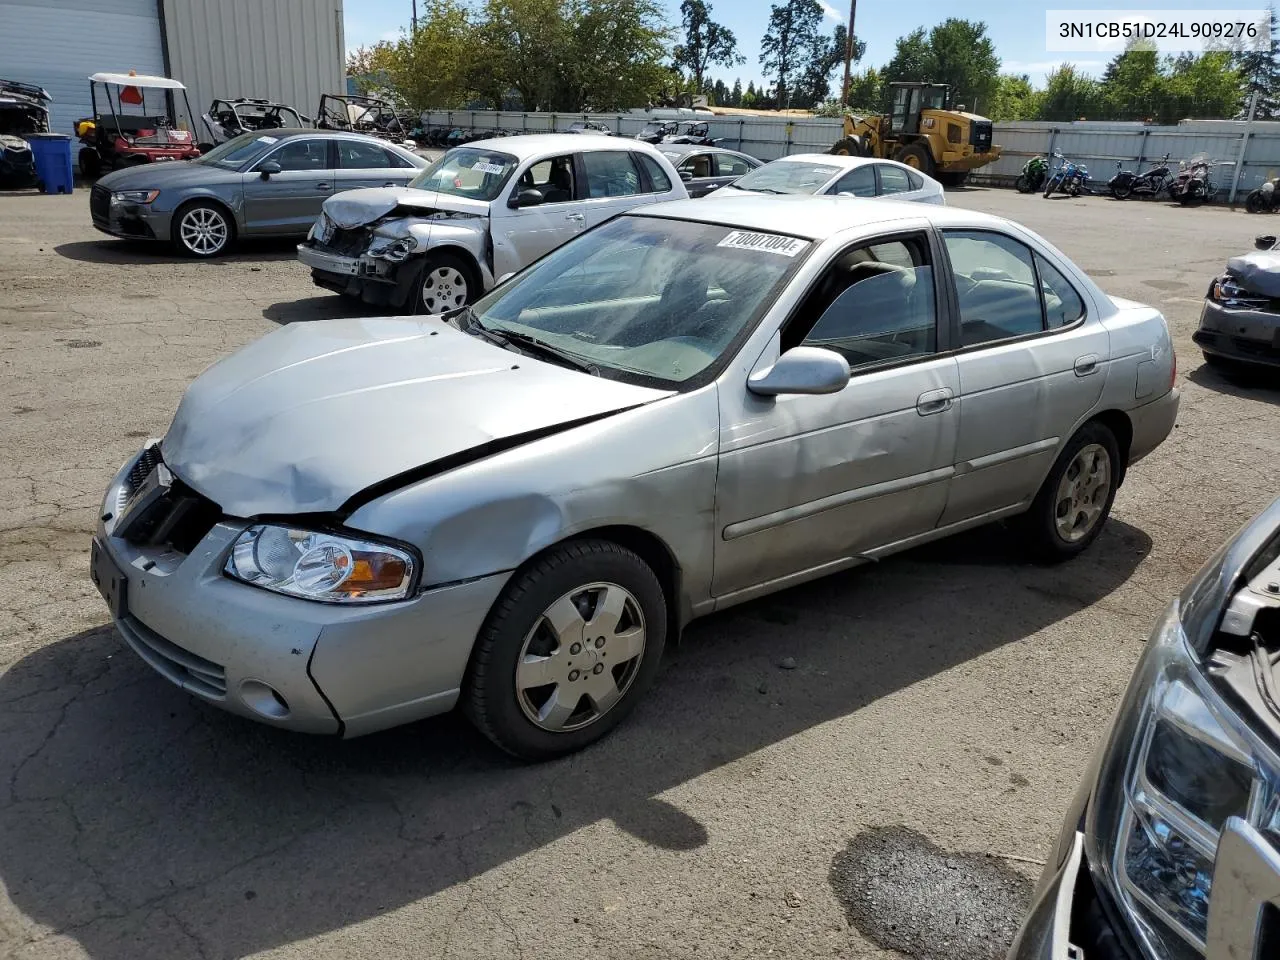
372 245
1240 321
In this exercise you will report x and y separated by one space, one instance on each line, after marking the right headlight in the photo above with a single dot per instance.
1179 763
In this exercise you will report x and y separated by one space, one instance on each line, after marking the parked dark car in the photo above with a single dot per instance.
23 111
1169 849
1240 320
704 169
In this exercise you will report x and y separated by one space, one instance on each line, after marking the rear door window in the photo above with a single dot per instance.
610 174
729 165
657 176
996 287
893 180
353 155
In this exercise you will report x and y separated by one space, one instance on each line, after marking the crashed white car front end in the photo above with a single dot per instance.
371 244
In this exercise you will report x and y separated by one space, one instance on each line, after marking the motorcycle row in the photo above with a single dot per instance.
1193 183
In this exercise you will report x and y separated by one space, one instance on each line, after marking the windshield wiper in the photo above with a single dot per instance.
762 190
534 345
468 321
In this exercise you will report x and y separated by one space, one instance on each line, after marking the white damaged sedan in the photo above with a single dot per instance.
353 524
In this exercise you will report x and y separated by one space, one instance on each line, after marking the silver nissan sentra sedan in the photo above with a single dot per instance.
352 524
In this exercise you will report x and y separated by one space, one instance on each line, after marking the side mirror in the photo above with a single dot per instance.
268 168
686 175
525 198
1264 243
804 370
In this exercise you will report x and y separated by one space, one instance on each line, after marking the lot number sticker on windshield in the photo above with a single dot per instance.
768 242
485 167
268 139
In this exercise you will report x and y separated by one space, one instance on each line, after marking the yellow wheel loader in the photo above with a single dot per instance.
922 132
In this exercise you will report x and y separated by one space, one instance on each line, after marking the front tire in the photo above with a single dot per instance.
916 156
849 147
567 651
444 283
202 230
1023 184
1075 499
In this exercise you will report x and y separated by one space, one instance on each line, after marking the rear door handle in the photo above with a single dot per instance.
1086 365
576 216
934 401
322 186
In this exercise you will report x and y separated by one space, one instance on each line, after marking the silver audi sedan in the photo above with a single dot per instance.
352 524
269 183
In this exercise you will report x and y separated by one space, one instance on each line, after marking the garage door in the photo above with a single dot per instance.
58 43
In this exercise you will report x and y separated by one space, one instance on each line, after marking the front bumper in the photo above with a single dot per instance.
1247 336
134 221
381 284
305 666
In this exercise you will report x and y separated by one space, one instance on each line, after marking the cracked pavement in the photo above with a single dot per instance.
953 693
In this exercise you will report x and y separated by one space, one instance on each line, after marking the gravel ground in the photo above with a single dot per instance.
937 710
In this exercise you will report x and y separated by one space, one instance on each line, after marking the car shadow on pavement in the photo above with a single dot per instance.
1252 383
326 306
119 251
148 826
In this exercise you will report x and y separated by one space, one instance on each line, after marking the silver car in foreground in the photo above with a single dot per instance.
352 524
1170 848
262 184
480 212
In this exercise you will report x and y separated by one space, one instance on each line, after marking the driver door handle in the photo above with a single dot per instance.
934 401
579 217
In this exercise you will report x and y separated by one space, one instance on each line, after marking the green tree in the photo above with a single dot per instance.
735 95
527 46
1259 65
827 53
1070 95
1015 98
720 94
956 52
1208 85
435 67
789 44
617 54
865 91
751 98
1132 84
705 41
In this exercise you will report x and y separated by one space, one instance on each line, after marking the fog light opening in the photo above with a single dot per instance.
263 699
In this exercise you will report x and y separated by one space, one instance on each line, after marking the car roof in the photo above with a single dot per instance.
814 217
526 146
849 163
692 147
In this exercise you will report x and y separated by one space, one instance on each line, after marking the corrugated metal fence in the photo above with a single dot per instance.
1098 145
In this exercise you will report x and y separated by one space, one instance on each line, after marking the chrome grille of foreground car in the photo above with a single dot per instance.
182 667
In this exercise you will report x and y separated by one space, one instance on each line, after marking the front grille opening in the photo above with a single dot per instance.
178 520
347 243
180 666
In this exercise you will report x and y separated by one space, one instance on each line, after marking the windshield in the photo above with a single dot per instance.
788 176
238 151
467 172
643 298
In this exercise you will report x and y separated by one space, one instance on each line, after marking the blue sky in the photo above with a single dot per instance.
1017 28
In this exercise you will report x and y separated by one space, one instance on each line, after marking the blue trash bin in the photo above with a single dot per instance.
52 154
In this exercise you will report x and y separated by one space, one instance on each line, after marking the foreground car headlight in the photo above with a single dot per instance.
1229 293
134 196
321 566
1179 763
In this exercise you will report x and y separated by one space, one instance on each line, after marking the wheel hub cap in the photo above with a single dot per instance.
203 231
444 289
1083 492
580 657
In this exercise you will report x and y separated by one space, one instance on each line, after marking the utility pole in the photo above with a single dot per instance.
848 55
1244 145
415 16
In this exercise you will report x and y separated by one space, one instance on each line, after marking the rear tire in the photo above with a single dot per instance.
1075 499
954 179
1122 192
915 155
90 164
518 648
1023 184
1254 202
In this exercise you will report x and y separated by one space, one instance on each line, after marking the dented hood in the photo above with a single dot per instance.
355 208
312 414
1257 272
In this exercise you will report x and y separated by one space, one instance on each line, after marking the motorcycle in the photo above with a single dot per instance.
1264 199
1071 178
1154 182
1195 182
1032 177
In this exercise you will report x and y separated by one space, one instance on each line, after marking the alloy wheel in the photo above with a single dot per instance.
580 657
444 289
204 231
1083 492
